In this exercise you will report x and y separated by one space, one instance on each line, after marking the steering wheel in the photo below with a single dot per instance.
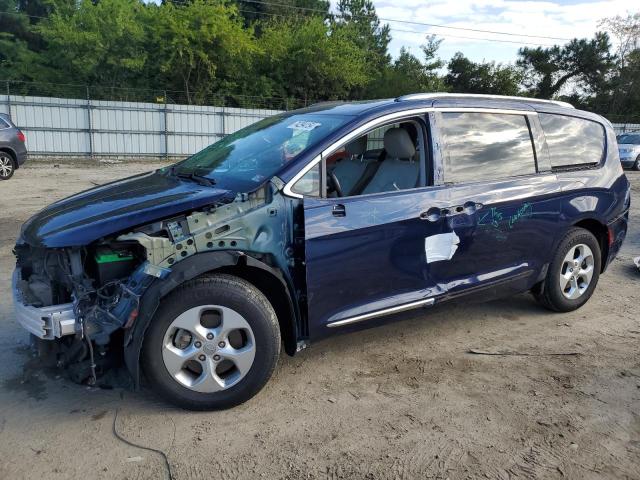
335 184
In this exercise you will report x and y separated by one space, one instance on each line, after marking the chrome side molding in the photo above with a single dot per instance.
381 313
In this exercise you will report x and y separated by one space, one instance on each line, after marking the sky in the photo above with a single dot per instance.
563 19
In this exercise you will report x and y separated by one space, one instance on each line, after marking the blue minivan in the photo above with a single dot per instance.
314 222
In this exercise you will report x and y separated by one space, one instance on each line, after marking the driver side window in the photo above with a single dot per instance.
386 159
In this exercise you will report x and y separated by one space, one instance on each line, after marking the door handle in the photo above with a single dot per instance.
338 210
434 213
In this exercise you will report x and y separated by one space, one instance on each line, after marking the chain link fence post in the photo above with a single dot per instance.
166 127
9 98
223 113
89 123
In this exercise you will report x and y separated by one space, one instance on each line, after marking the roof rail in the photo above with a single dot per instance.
430 96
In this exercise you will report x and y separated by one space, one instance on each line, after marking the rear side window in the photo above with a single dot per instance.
486 146
4 124
572 141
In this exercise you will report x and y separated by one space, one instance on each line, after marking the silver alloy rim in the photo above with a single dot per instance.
209 348
6 166
577 271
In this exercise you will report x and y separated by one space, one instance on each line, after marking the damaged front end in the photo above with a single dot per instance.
85 299
81 298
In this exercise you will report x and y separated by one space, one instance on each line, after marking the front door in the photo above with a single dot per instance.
366 255
366 241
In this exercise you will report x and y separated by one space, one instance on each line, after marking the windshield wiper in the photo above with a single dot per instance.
207 182
201 179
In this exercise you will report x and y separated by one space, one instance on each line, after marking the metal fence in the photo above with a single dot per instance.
626 127
85 127
88 127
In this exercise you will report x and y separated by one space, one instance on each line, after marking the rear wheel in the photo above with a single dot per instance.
213 344
636 166
7 166
573 273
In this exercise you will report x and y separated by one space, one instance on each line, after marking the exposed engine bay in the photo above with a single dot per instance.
84 298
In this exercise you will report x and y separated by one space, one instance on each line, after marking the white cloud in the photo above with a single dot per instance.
561 18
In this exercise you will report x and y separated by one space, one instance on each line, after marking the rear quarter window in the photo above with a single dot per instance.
4 124
572 142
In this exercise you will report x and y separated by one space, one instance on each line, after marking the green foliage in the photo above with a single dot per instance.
359 24
96 42
296 50
408 74
305 59
484 77
200 47
586 63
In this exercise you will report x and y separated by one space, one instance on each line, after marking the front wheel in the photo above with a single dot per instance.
636 166
573 273
213 344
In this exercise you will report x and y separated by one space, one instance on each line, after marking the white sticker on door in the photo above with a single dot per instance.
441 247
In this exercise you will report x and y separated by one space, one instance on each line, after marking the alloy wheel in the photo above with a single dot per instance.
209 348
6 166
577 271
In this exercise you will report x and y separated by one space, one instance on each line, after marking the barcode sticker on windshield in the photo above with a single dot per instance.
305 126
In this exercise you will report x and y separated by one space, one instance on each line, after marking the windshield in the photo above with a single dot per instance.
628 138
245 159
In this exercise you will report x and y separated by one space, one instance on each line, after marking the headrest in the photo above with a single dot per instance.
398 144
357 146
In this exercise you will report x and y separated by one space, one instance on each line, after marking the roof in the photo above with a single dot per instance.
364 110
439 99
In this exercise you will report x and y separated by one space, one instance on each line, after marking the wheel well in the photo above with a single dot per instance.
12 154
601 233
277 295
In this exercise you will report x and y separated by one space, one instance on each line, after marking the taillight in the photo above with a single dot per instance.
21 136
611 235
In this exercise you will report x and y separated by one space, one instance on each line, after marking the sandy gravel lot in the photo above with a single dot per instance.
401 401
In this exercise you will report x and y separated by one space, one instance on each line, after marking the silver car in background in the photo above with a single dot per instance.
13 151
629 150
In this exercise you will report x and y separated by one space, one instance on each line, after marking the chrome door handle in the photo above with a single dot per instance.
434 214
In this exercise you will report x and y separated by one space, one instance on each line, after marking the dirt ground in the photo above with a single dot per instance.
401 401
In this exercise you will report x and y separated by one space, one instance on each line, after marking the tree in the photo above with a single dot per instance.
308 60
100 43
358 21
627 31
20 43
621 99
201 48
259 11
584 63
465 76
408 74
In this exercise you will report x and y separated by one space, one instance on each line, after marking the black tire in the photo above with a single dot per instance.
227 291
8 160
550 294
636 166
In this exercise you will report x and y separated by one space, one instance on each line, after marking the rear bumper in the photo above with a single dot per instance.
47 323
21 156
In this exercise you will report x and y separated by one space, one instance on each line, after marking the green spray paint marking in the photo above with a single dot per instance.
497 220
